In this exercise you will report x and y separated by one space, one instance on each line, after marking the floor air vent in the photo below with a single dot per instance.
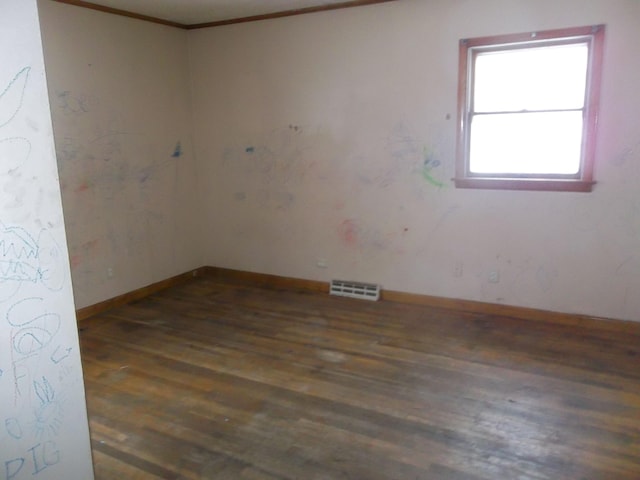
366 291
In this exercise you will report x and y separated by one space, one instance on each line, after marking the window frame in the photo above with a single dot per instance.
469 49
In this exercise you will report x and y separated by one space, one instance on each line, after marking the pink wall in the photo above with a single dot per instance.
312 133
304 142
120 102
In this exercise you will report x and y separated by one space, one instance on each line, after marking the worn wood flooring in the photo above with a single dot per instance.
217 380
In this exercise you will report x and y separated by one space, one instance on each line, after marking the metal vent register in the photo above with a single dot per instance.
365 291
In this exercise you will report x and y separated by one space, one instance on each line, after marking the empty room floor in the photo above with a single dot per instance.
217 379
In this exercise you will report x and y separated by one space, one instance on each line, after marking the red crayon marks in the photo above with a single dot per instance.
348 232
83 187
90 245
76 260
86 251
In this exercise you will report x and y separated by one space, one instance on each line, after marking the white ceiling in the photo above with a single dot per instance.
190 12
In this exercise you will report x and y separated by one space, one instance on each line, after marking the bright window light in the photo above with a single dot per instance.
531 143
528 110
545 78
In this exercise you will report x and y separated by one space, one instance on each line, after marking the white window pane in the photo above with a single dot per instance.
539 78
526 143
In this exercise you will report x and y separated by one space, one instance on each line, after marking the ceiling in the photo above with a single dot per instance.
197 12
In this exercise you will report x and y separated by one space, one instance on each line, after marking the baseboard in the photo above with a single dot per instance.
267 280
469 306
298 284
500 310
139 293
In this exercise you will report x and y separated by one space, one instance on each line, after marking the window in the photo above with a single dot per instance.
528 110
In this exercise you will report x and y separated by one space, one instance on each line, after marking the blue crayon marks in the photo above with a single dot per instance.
12 97
429 164
49 414
42 456
13 428
177 152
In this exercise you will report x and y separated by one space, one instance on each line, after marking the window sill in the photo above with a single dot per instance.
562 185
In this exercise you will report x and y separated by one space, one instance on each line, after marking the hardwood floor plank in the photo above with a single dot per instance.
109 467
215 379
148 468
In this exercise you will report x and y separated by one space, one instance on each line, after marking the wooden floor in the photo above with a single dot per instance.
220 381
